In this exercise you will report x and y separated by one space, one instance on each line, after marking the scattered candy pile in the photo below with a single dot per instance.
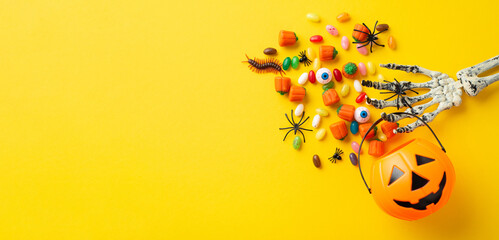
358 117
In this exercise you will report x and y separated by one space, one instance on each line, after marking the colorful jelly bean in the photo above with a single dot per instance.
317 161
269 51
317 65
391 42
316 38
311 76
295 62
303 78
286 63
297 143
310 53
357 86
345 43
316 121
355 146
337 75
321 133
343 17
353 159
344 90
328 85
382 27
332 30
313 17
354 127
362 69
299 110
371 69
381 136
361 97
321 111
362 50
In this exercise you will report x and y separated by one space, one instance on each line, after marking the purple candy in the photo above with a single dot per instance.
353 159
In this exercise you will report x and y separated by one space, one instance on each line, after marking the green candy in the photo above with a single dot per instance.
286 63
351 68
328 85
297 143
295 62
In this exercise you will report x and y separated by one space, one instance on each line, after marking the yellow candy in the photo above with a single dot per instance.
344 90
371 69
343 17
380 77
382 137
321 111
391 42
310 53
317 64
320 134
313 17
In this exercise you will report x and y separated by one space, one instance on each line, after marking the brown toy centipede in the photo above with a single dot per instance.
265 65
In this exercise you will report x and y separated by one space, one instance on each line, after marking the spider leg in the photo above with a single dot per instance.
286 135
356 30
293 118
285 128
288 117
363 45
367 28
378 44
304 121
379 32
302 135
371 49
303 114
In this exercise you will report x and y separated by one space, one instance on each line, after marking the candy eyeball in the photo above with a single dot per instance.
323 75
362 114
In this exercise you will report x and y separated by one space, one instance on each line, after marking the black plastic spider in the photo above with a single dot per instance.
400 91
371 37
295 126
304 59
336 156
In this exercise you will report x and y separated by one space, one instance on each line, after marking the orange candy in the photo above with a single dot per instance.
376 148
287 38
391 42
296 93
388 127
343 17
282 84
339 130
330 97
346 112
327 53
363 130
362 35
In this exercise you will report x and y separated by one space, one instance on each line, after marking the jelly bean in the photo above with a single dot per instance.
380 77
362 115
294 62
354 127
357 86
355 146
303 78
371 69
321 111
361 97
344 90
382 136
337 75
316 38
345 43
316 121
297 143
317 64
317 161
391 42
382 27
362 69
286 63
299 110
362 50
320 134
269 51
310 53
328 85
343 17
311 76
313 17
332 30
353 159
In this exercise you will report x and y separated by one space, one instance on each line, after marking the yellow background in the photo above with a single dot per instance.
137 120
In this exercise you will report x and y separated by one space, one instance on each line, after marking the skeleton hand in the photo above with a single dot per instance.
444 91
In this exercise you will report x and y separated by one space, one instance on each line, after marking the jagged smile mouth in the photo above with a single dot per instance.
429 199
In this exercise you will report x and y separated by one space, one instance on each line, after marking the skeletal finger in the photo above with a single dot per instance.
378 85
379 104
409 69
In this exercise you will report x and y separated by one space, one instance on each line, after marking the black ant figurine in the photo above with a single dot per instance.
336 155
304 59
371 37
295 126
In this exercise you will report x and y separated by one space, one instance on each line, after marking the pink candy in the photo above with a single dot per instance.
362 69
332 30
362 50
355 147
345 43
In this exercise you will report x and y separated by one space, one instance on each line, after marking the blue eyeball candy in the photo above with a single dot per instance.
323 75
362 115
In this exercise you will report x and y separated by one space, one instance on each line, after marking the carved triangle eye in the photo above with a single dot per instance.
418 181
396 174
420 160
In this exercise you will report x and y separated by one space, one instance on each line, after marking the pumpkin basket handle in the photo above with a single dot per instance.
383 116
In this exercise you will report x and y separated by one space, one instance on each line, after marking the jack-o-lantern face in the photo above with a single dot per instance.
413 180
